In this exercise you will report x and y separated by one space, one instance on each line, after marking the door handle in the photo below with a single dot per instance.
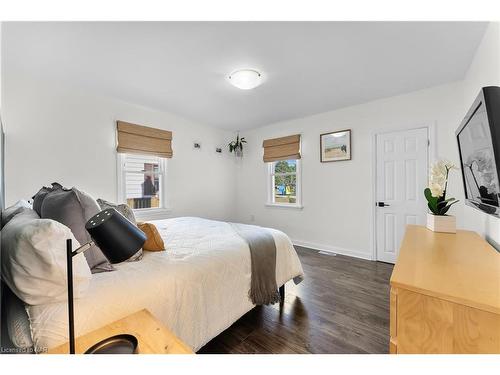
382 204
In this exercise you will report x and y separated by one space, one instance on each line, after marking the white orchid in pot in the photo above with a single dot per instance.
437 219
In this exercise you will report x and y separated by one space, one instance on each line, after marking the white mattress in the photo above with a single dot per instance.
198 287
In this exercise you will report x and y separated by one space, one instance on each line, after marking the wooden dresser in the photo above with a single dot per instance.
445 294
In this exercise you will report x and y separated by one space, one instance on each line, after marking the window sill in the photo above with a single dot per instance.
151 213
285 205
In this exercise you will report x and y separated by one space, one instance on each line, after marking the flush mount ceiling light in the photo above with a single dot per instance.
245 79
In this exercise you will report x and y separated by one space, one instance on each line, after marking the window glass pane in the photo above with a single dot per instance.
139 163
285 189
285 166
142 181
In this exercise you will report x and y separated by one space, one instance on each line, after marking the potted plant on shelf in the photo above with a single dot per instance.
237 146
437 219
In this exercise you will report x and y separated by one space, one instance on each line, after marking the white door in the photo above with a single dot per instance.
402 165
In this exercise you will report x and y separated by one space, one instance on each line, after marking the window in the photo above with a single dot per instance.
284 183
141 182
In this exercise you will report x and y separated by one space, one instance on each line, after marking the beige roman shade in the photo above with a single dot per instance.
283 148
138 139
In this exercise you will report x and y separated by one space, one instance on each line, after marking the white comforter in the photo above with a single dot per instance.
198 287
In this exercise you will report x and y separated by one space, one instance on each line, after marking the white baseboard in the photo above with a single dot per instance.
333 249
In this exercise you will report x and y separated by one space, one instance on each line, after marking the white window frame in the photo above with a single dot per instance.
143 213
298 187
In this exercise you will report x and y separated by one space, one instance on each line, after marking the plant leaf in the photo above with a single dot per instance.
442 204
432 201
428 194
446 202
444 210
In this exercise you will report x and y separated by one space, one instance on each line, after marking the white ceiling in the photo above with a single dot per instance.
308 67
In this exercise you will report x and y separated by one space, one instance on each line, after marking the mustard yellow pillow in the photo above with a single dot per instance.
154 242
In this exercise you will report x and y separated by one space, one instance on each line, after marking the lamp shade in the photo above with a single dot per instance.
115 235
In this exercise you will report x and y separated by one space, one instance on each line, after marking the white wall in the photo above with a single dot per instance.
337 197
59 134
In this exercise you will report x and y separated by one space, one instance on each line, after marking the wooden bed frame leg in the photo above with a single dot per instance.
282 294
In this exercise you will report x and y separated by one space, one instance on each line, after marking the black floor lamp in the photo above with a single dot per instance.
118 239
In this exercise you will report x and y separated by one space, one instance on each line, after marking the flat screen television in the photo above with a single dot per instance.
479 146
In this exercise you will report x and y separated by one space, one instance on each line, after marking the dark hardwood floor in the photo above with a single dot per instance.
342 306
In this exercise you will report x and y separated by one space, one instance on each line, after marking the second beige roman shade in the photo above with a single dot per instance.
283 148
138 139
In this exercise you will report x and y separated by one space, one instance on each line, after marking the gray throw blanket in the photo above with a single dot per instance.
263 288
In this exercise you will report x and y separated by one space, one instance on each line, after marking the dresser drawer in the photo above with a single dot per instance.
430 325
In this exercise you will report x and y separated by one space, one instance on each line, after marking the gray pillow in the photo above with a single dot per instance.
128 213
40 196
64 205
121 208
89 204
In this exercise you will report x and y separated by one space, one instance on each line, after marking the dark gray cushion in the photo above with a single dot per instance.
40 196
64 205
128 213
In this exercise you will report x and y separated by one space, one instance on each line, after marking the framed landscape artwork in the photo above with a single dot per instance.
335 146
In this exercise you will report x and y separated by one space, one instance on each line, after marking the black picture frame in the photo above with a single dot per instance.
347 145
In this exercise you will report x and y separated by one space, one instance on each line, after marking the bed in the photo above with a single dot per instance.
198 287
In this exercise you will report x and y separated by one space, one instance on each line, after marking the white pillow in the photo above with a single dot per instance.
34 260
22 203
13 210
